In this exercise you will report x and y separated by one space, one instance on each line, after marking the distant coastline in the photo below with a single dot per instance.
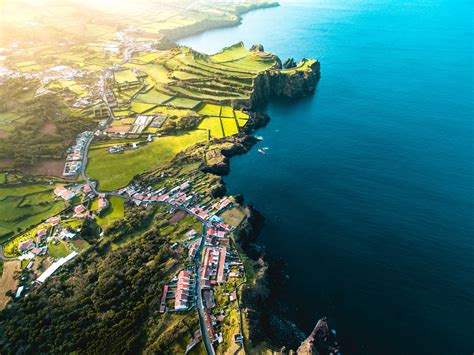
206 25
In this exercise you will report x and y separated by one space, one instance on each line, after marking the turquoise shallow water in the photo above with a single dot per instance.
368 185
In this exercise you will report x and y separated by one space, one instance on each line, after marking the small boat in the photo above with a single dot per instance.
260 138
262 151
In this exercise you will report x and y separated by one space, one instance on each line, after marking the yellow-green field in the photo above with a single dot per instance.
213 124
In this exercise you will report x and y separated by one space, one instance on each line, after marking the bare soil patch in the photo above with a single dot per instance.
50 167
118 129
233 216
178 216
8 282
6 163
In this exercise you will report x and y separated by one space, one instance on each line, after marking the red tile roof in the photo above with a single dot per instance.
220 272
41 232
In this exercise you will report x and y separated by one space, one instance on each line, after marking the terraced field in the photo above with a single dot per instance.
183 79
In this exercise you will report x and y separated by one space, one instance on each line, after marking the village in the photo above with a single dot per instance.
215 270
129 110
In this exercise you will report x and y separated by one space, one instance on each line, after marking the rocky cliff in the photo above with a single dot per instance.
292 83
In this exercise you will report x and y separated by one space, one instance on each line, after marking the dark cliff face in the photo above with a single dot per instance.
292 84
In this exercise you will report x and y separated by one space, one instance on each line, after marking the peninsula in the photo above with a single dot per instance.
117 234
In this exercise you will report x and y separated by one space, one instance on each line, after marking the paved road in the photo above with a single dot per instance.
86 148
84 165
3 257
200 304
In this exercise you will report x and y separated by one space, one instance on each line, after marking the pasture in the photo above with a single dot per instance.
26 205
113 213
114 171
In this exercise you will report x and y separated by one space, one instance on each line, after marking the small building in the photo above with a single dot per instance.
41 232
26 245
53 221
19 291
181 296
102 203
64 193
79 209
66 234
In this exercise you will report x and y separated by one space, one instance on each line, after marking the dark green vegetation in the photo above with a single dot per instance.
105 301
36 122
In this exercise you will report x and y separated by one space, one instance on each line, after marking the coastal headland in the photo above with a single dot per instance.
135 242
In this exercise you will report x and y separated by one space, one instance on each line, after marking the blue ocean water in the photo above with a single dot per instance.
368 186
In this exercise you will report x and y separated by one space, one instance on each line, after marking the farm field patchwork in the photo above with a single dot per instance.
213 124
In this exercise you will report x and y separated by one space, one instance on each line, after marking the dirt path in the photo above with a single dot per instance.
8 282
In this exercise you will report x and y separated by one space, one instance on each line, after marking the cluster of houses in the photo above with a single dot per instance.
38 245
181 290
75 157
177 197
35 245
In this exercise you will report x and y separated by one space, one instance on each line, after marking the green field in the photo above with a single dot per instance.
235 52
26 205
113 171
242 122
153 97
124 76
181 102
140 107
157 72
241 115
227 111
113 213
58 251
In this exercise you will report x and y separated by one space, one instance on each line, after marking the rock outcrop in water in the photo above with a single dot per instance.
289 63
321 341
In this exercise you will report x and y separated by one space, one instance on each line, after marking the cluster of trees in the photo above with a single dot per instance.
135 219
100 302
28 144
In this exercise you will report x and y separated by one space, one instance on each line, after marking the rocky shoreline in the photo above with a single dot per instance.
266 320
